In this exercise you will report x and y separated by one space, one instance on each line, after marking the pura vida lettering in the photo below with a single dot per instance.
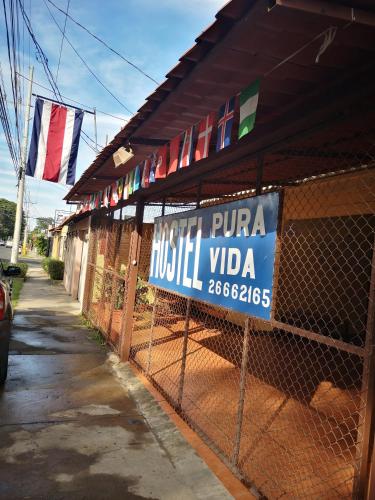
219 254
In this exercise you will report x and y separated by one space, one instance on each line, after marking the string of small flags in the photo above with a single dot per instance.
180 152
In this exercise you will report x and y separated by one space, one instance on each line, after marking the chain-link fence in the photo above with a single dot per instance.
106 284
286 403
283 402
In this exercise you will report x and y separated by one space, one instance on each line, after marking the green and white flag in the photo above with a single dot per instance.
248 106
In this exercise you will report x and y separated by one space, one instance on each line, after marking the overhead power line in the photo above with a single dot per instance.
85 63
11 21
103 42
77 102
47 70
62 40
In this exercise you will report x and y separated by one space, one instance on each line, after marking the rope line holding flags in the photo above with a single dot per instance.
186 148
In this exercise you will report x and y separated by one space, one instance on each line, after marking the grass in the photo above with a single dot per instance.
16 290
94 334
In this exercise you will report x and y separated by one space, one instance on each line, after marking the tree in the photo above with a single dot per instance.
7 218
41 243
42 224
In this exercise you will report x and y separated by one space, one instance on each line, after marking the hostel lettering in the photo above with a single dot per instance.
222 254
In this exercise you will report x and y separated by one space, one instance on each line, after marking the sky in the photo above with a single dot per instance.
151 34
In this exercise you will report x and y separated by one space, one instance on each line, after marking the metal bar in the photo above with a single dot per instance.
184 352
318 337
199 194
63 104
258 188
115 279
149 354
278 244
135 247
365 424
163 208
371 482
241 400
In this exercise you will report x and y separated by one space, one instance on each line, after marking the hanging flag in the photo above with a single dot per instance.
146 173
114 195
174 154
161 163
106 197
120 188
224 124
86 205
98 198
126 187
137 178
92 201
152 168
204 136
54 142
131 182
186 155
248 106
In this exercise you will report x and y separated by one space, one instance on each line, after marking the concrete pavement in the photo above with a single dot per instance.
71 428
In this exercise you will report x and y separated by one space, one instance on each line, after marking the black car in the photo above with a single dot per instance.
6 315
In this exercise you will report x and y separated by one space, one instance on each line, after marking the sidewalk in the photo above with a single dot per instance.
68 426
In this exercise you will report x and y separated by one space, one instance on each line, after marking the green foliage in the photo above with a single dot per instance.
24 267
7 218
16 290
144 293
41 243
42 224
45 262
94 334
55 269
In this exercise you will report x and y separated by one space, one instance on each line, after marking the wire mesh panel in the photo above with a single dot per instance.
106 284
212 375
283 401
301 410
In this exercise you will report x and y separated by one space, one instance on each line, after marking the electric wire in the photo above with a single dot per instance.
103 43
11 50
62 40
88 106
47 70
85 63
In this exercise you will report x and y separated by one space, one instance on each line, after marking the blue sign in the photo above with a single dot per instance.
223 254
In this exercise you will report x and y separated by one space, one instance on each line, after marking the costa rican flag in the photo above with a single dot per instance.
224 124
54 142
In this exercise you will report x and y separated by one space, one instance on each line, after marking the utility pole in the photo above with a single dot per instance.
25 233
21 183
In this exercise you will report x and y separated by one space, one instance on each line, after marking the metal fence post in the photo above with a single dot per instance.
135 248
151 332
366 422
184 352
241 400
